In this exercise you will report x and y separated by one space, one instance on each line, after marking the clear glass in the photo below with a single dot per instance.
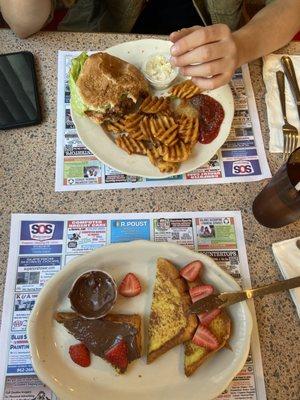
278 204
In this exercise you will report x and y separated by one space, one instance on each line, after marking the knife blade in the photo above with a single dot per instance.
291 75
226 299
213 301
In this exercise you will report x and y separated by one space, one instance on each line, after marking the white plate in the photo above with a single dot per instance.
164 378
105 150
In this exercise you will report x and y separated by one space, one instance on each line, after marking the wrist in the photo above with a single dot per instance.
241 59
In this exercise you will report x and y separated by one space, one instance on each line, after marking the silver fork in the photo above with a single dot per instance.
290 133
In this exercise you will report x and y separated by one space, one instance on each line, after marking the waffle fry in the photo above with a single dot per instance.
130 145
132 126
164 166
153 156
137 135
167 136
156 153
162 128
185 90
154 105
146 126
165 122
189 130
115 126
158 131
177 153
131 121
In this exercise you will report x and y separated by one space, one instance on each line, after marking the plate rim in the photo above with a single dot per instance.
159 175
59 390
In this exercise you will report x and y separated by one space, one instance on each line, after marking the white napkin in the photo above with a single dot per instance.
271 65
287 256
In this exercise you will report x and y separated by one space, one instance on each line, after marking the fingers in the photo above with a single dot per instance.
211 83
200 55
205 70
174 36
200 37
207 54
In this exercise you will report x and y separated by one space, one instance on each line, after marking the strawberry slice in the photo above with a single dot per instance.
199 292
130 286
117 355
207 317
80 354
191 271
204 338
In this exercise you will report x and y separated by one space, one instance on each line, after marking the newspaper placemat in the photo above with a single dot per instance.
40 245
241 159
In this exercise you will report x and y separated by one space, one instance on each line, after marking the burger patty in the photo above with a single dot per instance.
122 108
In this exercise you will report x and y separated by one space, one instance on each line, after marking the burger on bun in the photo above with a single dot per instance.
104 87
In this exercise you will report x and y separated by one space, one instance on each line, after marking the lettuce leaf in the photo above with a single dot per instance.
76 102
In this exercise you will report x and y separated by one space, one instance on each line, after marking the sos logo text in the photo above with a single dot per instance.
41 231
242 168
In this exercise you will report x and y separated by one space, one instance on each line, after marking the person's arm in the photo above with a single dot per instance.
271 28
216 52
25 17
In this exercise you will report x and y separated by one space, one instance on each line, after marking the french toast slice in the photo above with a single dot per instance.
135 320
195 355
99 335
169 323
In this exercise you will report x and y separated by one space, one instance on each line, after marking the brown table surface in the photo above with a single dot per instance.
27 171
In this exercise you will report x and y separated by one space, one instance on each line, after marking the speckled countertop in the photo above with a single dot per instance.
27 169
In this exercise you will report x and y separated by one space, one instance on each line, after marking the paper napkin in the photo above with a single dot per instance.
271 65
287 256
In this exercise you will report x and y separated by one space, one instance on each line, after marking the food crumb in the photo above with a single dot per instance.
140 376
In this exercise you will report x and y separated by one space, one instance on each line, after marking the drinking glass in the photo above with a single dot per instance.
278 204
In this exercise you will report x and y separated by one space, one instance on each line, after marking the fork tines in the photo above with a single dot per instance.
290 139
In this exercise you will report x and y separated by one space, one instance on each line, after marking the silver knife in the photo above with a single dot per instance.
228 298
290 73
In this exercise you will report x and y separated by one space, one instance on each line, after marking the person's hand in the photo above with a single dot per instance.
208 54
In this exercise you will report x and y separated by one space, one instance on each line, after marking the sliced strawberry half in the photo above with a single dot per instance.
207 317
199 292
130 286
204 338
191 271
117 355
80 354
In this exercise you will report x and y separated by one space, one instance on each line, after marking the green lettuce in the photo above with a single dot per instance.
76 66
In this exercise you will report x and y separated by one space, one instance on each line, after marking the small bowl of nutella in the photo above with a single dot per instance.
158 70
93 294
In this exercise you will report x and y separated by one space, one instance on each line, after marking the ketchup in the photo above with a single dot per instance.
211 115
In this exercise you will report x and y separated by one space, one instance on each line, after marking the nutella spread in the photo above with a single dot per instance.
100 334
93 294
